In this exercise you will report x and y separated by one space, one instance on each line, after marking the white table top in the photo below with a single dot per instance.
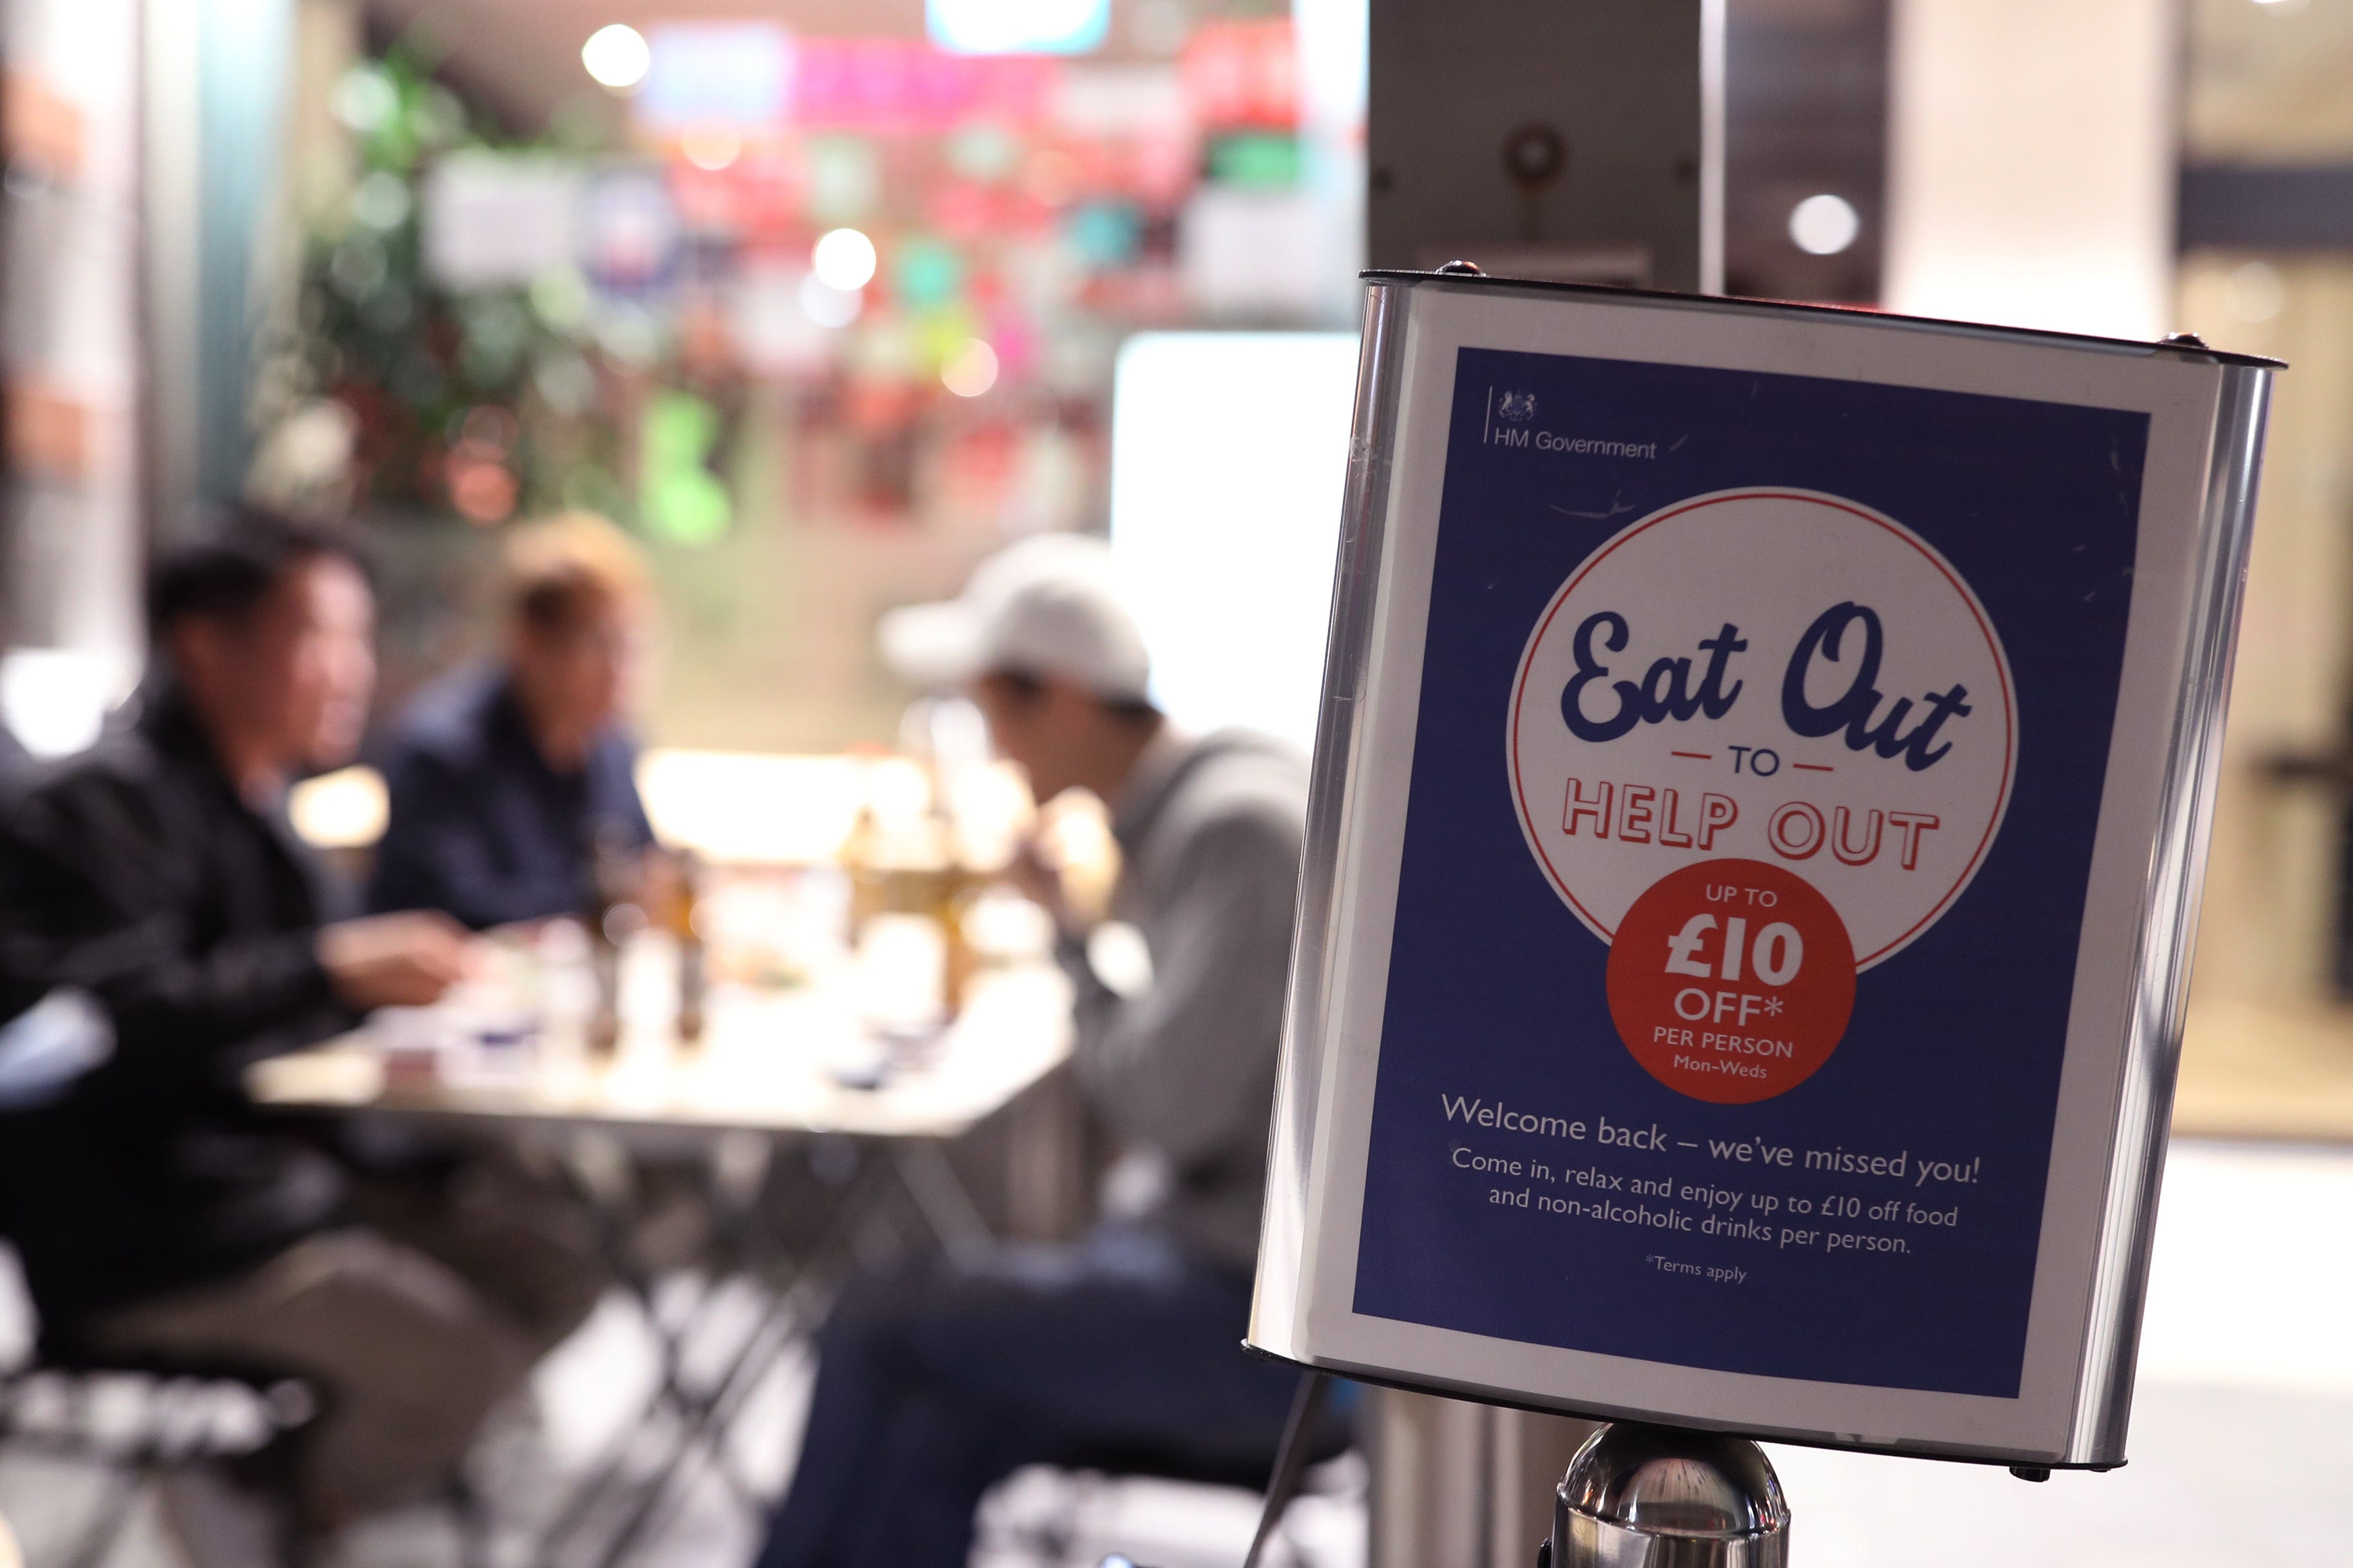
769 1062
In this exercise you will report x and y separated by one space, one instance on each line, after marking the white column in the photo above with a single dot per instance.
2031 159
69 574
172 198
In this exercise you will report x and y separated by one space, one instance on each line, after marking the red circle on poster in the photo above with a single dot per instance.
1730 980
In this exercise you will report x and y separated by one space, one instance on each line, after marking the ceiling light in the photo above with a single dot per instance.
1824 224
616 56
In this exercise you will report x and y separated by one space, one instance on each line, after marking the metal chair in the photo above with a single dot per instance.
180 1413
177 1415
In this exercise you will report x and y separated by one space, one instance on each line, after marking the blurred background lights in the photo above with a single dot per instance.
971 370
828 306
363 99
616 56
844 259
1824 224
1016 26
55 700
382 200
710 150
927 273
714 76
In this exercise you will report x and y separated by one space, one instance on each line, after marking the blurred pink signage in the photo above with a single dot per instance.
1243 74
895 84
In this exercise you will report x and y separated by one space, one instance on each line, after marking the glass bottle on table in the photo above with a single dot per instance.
950 738
681 909
862 860
950 888
617 877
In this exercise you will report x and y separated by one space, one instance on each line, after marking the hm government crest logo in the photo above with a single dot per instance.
1519 408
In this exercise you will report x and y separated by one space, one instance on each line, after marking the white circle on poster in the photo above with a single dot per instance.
1770 675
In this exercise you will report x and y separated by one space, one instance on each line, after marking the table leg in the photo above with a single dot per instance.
919 1170
941 1197
700 1417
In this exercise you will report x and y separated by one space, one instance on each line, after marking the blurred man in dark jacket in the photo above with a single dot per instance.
158 1216
510 784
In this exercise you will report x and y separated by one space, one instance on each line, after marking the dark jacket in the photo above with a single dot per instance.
16 992
480 825
136 873
16 764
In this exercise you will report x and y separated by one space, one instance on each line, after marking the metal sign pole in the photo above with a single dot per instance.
1639 1496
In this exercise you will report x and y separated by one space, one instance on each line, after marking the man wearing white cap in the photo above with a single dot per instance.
936 1382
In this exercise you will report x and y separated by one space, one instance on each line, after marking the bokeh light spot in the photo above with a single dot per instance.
1824 224
844 259
616 56
971 370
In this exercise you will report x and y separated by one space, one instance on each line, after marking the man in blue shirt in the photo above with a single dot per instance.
507 783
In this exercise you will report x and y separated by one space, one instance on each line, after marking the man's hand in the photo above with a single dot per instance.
393 961
1041 884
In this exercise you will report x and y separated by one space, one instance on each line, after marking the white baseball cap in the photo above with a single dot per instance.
1047 606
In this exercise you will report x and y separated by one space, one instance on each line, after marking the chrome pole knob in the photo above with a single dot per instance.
1659 1497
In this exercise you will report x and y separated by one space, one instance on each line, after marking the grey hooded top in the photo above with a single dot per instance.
1182 1066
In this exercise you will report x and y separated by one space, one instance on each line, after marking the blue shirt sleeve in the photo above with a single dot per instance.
441 850
491 844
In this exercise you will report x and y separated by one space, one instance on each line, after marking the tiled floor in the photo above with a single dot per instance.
2240 1446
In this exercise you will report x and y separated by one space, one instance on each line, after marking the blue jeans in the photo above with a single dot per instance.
939 1380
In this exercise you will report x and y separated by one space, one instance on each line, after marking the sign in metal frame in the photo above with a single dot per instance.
1760 805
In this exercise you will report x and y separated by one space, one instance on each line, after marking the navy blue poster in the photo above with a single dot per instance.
1760 744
